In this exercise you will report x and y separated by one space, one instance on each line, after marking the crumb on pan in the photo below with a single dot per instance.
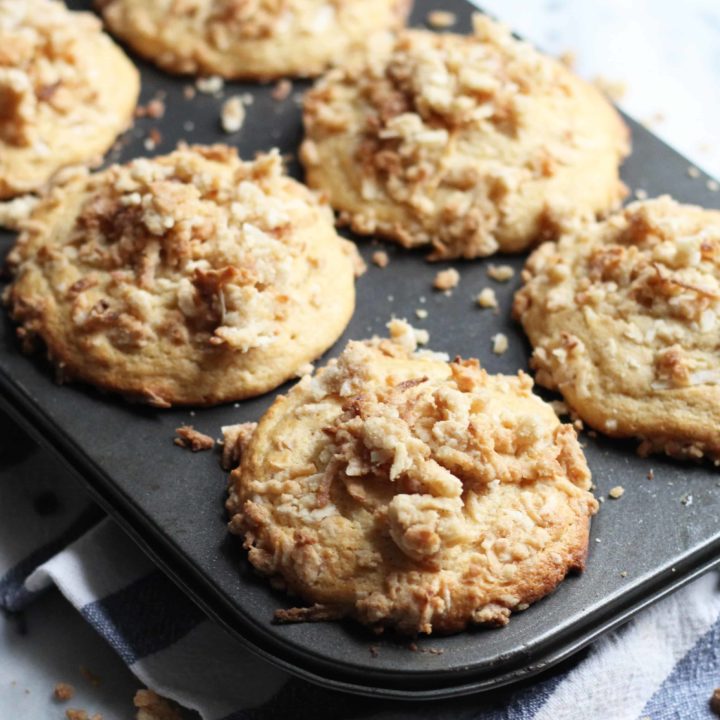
151 706
282 89
693 172
446 279
617 492
559 407
380 258
235 438
422 313
641 194
441 19
154 109
63 692
651 474
713 185
210 85
78 714
486 298
90 676
232 115
501 273
188 437
314 613
500 343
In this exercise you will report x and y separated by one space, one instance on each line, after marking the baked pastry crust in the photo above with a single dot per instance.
623 318
66 92
192 278
250 39
409 492
471 144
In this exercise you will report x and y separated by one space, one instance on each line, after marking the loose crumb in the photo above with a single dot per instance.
693 172
188 437
63 692
150 706
374 650
617 492
713 185
422 313
210 85
614 89
501 273
623 573
487 298
235 440
232 115
154 109
189 92
441 19
715 701
90 676
76 714
500 343
559 407
446 279
282 89
641 194
651 474
380 258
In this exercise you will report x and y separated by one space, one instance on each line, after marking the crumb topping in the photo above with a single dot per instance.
235 440
464 485
647 280
196 247
44 76
424 105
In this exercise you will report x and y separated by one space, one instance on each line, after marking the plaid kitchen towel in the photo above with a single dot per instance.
664 664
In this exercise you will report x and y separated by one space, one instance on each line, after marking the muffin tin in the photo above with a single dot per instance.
660 534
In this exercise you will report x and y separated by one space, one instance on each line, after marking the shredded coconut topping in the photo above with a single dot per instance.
440 114
464 484
648 281
194 247
43 75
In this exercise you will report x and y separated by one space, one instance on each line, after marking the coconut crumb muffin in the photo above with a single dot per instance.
250 39
193 278
623 318
66 92
470 144
405 491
